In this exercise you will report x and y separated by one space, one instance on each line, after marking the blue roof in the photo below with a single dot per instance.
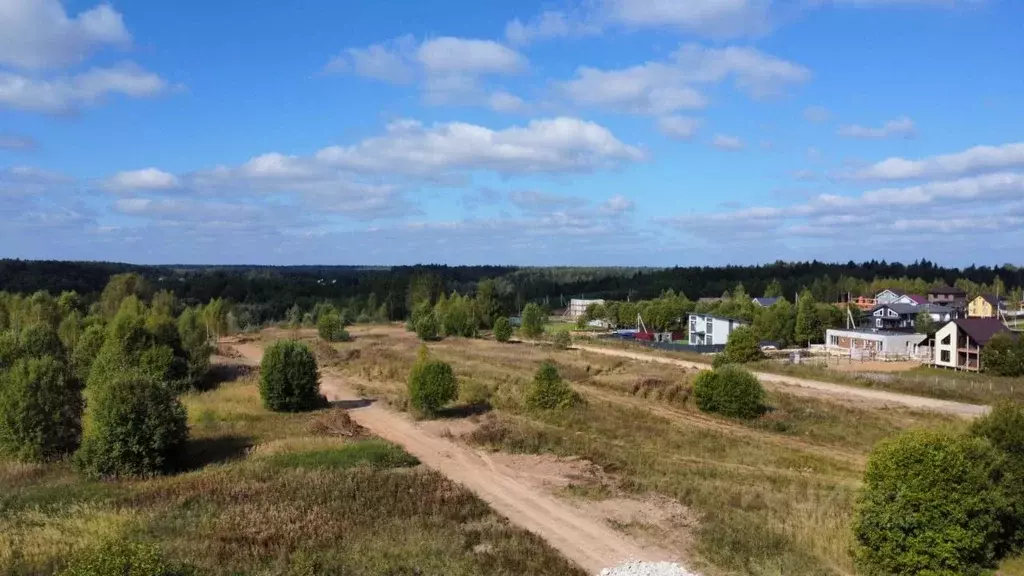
766 301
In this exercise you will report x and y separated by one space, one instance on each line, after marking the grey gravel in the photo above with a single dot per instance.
647 569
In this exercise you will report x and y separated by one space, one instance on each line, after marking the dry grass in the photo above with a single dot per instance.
774 495
270 494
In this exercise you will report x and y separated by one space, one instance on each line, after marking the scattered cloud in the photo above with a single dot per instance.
617 204
817 114
448 55
550 24
16 142
536 201
145 179
502 101
387 62
724 142
678 127
663 87
970 161
67 94
902 127
39 34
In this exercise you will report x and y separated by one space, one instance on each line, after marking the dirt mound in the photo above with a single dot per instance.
657 389
228 351
335 422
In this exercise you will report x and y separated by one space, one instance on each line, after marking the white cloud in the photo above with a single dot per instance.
724 142
817 114
448 55
68 94
551 145
665 87
38 34
617 204
550 24
16 142
902 127
501 101
145 179
536 201
679 127
972 160
388 62
706 17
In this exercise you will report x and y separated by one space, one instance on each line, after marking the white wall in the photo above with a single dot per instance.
949 330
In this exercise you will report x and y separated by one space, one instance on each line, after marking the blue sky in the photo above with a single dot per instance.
596 132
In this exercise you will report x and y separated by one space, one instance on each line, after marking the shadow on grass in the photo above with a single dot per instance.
463 411
353 404
221 373
201 452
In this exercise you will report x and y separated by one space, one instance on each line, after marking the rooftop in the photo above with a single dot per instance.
948 290
981 330
872 332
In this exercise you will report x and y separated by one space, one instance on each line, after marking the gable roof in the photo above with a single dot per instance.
766 301
981 330
952 290
917 298
914 309
991 299
896 293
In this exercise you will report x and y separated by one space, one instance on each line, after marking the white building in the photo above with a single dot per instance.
578 307
870 343
708 330
958 344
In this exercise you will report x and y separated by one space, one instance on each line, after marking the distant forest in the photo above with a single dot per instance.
268 293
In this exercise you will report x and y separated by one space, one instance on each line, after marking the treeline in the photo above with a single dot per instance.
264 294
785 323
98 379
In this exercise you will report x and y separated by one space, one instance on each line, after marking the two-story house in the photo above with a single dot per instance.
985 306
887 297
902 317
947 295
959 343
709 330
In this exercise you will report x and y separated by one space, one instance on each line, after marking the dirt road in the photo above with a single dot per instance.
816 388
582 538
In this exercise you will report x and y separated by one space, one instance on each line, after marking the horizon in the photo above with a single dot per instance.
605 133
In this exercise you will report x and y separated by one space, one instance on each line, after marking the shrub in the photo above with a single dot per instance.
533 321
120 558
426 327
548 391
1003 356
730 391
432 384
196 343
562 340
40 410
38 340
136 427
1004 428
331 328
502 329
289 378
88 346
742 347
929 505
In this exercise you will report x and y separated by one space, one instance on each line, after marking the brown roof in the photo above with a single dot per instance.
947 290
981 330
991 299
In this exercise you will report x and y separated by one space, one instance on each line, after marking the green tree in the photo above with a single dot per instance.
69 301
136 428
777 323
70 329
502 329
164 303
533 321
1003 356
294 316
774 289
426 327
488 306
196 344
40 410
120 287
331 328
215 314
742 347
930 505
86 350
1003 426
923 323
807 322
432 384
548 391
289 378
38 340
730 391
562 340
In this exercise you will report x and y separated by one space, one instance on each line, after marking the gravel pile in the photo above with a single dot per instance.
647 569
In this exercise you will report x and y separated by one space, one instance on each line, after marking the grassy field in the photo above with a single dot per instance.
269 494
774 496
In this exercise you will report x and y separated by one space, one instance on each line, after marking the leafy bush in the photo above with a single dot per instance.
84 354
533 321
38 340
196 343
121 558
331 328
1003 356
562 340
1004 428
432 384
548 391
40 410
930 505
743 347
289 378
426 327
135 427
730 391
502 329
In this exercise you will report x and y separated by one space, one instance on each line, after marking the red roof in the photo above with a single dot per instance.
918 298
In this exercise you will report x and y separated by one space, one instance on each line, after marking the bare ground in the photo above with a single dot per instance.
520 487
818 389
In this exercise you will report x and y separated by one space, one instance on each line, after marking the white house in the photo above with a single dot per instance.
868 343
887 297
578 307
958 344
708 330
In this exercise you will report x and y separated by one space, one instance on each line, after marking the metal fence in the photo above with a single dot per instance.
673 346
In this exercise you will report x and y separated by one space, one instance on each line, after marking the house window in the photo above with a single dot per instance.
878 322
710 327
944 355
948 339
693 324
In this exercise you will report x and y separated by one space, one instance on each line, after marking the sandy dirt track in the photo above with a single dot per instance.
584 539
817 388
